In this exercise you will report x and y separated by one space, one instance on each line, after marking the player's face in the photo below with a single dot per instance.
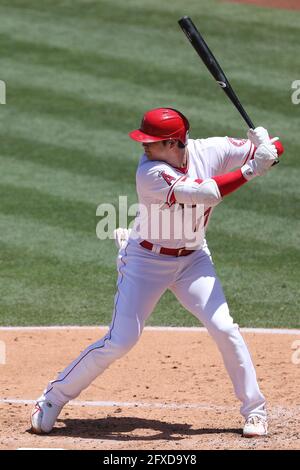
157 150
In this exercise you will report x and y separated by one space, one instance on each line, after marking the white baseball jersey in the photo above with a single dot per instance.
159 219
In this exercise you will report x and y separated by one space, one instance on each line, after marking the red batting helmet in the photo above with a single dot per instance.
162 124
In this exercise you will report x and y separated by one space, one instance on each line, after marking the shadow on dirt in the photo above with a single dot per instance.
132 429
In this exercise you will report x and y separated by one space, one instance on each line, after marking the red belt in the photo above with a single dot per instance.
167 251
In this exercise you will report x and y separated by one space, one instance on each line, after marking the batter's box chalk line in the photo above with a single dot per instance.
121 404
270 331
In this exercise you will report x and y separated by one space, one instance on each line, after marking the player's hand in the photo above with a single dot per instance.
264 158
258 136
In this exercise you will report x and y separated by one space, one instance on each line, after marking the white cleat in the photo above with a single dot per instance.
43 416
255 426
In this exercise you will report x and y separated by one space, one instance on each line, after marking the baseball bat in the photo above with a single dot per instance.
212 64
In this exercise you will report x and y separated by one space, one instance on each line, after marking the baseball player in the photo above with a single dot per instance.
176 175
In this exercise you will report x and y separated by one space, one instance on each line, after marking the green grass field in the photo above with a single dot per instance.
79 76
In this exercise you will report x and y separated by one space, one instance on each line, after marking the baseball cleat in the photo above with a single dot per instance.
255 426
43 416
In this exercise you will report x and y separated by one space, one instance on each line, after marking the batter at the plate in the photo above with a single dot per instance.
175 175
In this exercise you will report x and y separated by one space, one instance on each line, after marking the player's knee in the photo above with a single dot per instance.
120 345
224 329
229 330
110 348
123 347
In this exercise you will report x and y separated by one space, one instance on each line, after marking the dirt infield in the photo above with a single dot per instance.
283 4
171 392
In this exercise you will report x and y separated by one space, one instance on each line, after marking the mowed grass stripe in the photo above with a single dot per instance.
72 109
270 111
57 141
130 67
242 257
43 133
69 133
236 297
131 71
96 278
258 198
73 161
127 67
54 285
101 107
223 110
54 304
282 182
260 281
55 211
98 289
61 183
153 13
95 88
268 42
80 122
53 271
92 87
85 28
60 243
256 226
59 296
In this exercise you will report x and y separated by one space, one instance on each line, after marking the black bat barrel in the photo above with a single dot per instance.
212 64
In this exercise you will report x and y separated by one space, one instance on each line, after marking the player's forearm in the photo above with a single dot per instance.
230 182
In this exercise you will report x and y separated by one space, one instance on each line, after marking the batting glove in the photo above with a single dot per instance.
265 156
121 236
258 136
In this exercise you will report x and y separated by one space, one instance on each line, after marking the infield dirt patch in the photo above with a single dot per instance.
283 4
172 393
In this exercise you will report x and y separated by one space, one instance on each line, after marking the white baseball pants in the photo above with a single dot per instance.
143 276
